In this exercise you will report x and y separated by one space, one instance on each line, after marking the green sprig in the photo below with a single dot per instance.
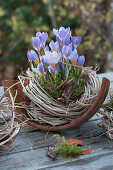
67 150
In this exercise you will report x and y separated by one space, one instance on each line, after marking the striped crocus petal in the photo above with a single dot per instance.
36 43
46 76
75 40
62 35
46 48
74 57
67 39
66 50
42 59
40 69
52 70
54 45
58 67
35 70
42 36
32 56
62 32
81 60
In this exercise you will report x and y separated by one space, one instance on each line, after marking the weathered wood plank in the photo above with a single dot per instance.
96 143
37 159
99 162
36 139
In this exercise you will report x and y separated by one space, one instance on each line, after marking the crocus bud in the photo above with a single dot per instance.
81 60
76 40
32 55
36 43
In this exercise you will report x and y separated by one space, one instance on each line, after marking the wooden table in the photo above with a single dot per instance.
30 147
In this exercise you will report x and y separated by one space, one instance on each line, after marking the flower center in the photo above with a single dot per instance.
53 65
54 50
51 59
74 62
42 74
37 61
78 68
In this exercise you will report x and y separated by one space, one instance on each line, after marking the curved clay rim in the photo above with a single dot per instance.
86 116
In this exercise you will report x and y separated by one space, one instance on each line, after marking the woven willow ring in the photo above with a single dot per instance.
46 113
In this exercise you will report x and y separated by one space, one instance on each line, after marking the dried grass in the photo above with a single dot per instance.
107 118
9 128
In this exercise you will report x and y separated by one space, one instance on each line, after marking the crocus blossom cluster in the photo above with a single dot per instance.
59 59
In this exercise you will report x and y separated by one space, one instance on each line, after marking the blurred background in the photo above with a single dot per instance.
21 19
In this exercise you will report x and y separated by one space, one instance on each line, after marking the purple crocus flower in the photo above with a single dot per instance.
76 40
46 48
58 67
39 70
35 70
62 32
66 50
59 41
52 70
36 43
32 55
42 59
46 76
52 58
67 39
38 34
73 57
54 46
42 36
81 60
63 35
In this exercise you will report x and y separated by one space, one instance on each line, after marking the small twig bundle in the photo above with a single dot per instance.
107 116
9 128
107 124
46 110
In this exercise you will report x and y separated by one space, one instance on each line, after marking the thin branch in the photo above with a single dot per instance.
53 18
11 49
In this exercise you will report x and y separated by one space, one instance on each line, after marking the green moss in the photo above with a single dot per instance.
67 150
78 90
56 94
53 93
